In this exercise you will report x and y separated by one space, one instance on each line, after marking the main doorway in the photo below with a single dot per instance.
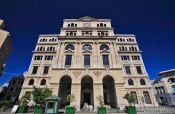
109 91
87 91
64 90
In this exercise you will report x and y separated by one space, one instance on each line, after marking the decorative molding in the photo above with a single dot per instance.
104 51
87 51
97 73
76 73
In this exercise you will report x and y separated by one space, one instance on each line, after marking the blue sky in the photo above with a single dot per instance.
152 21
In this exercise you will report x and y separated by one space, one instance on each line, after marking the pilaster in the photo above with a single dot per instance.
76 90
120 93
98 90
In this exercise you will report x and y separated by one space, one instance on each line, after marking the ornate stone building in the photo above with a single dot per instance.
164 87
88 60
5 45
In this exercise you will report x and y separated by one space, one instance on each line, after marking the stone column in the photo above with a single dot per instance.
117 56
99 58
61 55
94 55
120 93
76 56
153 98
76 90
98 90
57 55
55 88
79 55
113 57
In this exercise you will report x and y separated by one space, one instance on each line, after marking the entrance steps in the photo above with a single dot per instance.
111 111
96 113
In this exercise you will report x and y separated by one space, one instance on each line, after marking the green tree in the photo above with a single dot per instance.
40 95
130 98
25 99
100 100
70 98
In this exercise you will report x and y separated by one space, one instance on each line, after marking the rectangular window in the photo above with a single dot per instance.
147 97
139 70
68 60
127 69
38 57
48 57
105 60
46 70
86 60
135 57
135 97
35 69
125 58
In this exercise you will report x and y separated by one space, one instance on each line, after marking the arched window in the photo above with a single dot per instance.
171 80
132 48
69 46
31 81
44 39
53 49
120 48
43 82
53 39
121 40
142 82
104 46
135 48
50 48
130 82
41 40
38 49
41 48
123 48
87 47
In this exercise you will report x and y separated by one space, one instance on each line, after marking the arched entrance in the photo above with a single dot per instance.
109 91
64 90
87 91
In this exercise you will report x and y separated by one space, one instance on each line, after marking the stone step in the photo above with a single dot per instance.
96 113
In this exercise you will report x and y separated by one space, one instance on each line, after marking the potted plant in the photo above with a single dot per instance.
101 108
70 109
39 97
131 109
24 101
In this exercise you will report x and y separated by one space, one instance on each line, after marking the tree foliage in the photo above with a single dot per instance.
70 98
25 99
130 98
40 95
100 100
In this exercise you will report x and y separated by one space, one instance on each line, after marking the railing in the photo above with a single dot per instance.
158 110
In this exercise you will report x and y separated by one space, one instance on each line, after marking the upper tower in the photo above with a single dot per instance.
87 26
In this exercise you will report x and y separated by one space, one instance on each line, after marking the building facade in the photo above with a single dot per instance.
11 93
87 59
164 87
5 45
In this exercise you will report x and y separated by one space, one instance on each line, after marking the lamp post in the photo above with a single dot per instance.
2 68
